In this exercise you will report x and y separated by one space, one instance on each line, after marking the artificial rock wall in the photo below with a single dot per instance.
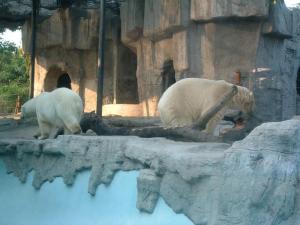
67 42
64 45
254 181
214 39
13 13
202 38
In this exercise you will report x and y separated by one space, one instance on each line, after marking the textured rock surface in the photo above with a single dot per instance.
163 17
132 27
148 185
13 13
203 10
255 181
67 42
201 38
280 21
60 28
207 38
263 172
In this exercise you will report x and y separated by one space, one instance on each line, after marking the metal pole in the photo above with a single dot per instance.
33 45
101 58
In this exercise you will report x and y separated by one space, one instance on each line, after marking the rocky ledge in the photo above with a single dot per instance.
254 181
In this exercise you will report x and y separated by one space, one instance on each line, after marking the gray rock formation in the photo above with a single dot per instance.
254 181
263 172
214 39
13 13
148 185
203 10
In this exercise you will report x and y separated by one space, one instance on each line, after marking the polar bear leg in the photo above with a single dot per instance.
71 126
37 134
70 118
75 128
212 123
67 131
45 129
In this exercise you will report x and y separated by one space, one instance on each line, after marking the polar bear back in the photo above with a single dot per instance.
187 100
60 107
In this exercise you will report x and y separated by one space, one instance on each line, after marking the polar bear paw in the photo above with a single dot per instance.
43 137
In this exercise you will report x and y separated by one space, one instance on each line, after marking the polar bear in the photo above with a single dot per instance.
186 101
60 108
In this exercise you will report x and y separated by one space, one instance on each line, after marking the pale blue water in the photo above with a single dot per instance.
57 204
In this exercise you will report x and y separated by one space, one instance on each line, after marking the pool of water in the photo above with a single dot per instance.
57 204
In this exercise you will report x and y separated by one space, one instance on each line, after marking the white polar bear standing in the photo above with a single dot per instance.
186 101
60 108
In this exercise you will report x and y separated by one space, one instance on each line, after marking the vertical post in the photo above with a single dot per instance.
18 105
33 43
115 37
115 70
101 58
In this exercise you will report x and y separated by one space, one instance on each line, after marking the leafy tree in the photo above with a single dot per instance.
14 76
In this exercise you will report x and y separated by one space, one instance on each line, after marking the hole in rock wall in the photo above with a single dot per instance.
56 78
127 88
64 81
168 75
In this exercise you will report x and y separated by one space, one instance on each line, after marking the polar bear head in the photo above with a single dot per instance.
28 109
244 99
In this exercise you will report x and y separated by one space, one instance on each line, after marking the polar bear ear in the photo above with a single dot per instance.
234 89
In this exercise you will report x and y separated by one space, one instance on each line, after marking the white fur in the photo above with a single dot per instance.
60 108
186 101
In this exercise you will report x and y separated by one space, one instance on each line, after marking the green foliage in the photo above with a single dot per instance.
14 76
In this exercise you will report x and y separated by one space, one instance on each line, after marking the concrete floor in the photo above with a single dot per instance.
20 132
11 127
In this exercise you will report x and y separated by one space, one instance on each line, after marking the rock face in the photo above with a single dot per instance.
217 9
13 13
67 46
196 38
263 172
208 38
67 43
254 181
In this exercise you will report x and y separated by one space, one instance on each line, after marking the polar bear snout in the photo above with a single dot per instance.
78 131
248 107
75 129
22 115
250 104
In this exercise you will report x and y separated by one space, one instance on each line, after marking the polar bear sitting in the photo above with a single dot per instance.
186 101
60 108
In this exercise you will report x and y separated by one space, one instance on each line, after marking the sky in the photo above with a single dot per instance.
290 3
16 36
